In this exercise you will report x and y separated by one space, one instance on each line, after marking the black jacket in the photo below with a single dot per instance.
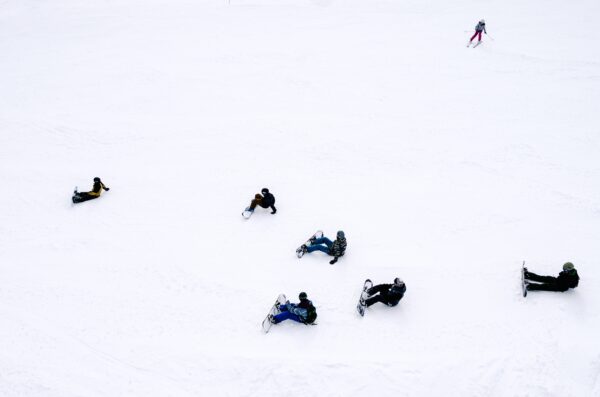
568 279
394 293
311 311
268 200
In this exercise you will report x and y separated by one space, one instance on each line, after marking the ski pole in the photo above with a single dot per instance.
490 37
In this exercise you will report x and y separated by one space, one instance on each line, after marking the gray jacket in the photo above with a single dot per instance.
480 27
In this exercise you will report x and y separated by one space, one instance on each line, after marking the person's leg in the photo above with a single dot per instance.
542 279
253 204
479 33
323 240
85 197
373 299
474 35
322 248
546 287
286 315
375 289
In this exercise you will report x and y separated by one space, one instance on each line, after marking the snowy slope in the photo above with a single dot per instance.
447 166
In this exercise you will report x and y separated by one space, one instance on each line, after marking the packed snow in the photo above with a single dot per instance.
446 166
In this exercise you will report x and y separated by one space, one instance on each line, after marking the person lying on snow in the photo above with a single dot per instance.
388 294
302 312
79 197
266 200
335 248
566 279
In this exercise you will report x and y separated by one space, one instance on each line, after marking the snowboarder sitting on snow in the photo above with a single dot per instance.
389 294
303 312
478 29
265 200
566 279
335 248
95 193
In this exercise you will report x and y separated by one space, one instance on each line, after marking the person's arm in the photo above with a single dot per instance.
104 187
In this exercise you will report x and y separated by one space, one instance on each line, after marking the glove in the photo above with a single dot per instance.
333 261
107 189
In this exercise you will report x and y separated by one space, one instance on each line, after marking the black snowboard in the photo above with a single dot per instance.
523 281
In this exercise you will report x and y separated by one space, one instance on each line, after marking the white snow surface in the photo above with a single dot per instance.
446 166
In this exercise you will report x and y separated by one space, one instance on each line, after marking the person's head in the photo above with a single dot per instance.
96 179
340 234
398 281
264 190
303 296
568 266
482 22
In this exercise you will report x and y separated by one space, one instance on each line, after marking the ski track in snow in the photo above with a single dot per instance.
445 166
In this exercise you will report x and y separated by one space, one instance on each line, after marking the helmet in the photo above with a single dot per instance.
340 234
264 190
398 281
568 266
302 296
96 179
482 21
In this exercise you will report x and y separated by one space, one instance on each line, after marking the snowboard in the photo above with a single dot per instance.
363 295
247 213
266 324
76 198
300 251
523 281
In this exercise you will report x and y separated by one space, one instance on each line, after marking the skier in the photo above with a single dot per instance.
303 312
389 294
265 200
79 197
478 29
335 248
566 279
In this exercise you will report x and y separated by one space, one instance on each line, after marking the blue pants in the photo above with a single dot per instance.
317 245
286 315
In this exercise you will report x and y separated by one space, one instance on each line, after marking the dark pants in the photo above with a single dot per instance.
83 196
322 244
477 33
548 283
286 315
256 202
381 297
